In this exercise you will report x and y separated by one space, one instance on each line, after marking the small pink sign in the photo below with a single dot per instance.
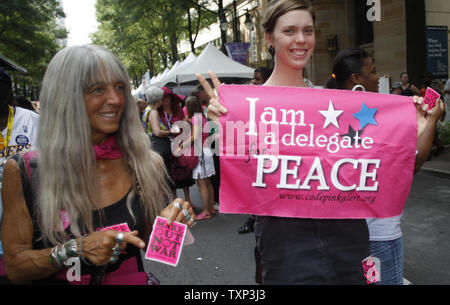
166 242
431 97
123 227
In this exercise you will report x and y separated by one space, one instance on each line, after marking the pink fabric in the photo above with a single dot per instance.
108 150
390 122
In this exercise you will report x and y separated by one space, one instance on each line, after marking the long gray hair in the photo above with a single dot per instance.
67 164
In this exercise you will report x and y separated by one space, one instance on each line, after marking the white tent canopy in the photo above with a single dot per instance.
177 68
135 93
211 59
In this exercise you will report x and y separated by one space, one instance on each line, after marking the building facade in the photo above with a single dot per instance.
394 32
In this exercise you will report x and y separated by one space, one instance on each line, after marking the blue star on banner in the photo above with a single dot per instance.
366 116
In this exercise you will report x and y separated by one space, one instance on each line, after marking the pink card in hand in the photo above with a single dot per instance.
166 242
431 97
123 227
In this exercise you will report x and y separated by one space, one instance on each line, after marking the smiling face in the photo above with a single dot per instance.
105 103
293 39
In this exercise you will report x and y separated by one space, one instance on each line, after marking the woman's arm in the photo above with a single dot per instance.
22 263
426 121
154 122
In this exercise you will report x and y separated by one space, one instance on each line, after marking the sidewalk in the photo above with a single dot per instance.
439 164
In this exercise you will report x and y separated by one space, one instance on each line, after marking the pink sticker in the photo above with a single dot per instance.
123 227
166 242
431 97
65 218
372 272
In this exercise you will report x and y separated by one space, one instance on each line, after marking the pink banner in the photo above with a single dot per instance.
315 153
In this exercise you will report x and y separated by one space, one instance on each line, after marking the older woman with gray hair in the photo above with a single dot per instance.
94 188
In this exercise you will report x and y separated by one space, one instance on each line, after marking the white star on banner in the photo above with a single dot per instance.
331 116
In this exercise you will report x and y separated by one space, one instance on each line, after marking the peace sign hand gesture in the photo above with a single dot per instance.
215 109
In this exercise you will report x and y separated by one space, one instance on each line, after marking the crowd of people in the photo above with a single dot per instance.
97 157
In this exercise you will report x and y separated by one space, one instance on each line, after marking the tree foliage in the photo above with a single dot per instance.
145 34
30 35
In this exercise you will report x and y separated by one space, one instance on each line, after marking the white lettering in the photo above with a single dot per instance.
285 172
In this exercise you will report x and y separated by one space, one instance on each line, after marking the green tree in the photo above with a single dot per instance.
30 36
147 36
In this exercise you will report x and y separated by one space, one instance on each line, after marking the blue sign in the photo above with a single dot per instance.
437 51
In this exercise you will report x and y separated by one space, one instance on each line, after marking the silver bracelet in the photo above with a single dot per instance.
53 258
60 254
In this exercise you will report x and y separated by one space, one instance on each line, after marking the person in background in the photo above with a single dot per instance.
22 102
169 113
407 88
261 75
142 105
396 88
353 67
205 167
160 133
202 96
93 170
19 130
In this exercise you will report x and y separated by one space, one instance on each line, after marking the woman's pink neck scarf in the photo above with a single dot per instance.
108 149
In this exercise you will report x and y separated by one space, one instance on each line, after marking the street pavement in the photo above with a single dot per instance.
426 224
221 256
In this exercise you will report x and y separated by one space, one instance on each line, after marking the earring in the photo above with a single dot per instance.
359 87
272 50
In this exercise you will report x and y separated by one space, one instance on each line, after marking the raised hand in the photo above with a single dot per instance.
215 109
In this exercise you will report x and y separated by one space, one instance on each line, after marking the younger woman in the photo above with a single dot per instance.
295 250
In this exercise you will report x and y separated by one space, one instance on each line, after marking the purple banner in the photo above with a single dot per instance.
238 51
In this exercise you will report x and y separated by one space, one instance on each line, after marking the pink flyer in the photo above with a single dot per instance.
431 97
123 227
166 242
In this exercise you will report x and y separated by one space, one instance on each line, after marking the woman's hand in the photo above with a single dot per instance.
175 130
426 117
98 246
215 109
179 211
426 128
